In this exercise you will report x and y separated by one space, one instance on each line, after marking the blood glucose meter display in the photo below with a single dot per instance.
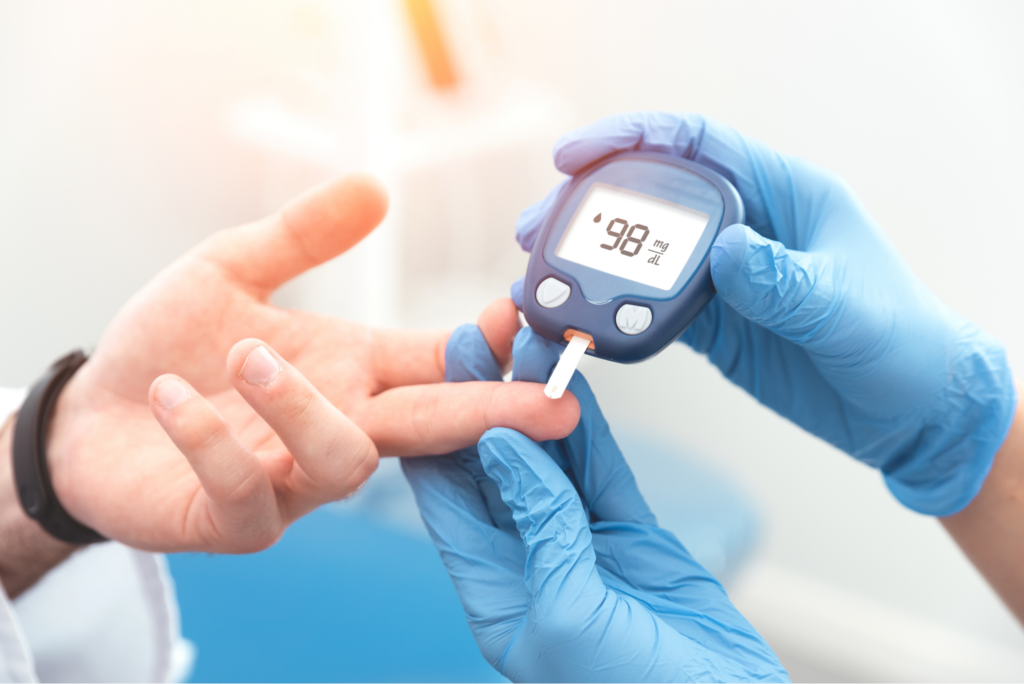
632 235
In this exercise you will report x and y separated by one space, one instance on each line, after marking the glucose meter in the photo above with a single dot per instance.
620 268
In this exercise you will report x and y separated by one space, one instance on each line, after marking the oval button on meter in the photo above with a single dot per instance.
623 254
633 320
552 293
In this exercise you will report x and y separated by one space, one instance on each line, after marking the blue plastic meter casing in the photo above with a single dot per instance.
596 296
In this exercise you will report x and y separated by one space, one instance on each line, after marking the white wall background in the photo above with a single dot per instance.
117 154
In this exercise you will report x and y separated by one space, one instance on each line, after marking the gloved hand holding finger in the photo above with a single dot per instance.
589 453
557 559
463 511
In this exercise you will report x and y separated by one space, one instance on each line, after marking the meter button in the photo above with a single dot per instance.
633 320
552 293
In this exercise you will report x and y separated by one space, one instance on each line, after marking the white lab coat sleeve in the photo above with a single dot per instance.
107 614
16 664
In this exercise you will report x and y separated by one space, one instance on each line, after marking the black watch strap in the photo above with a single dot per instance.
31 473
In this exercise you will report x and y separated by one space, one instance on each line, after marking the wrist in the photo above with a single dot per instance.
33 448
62 436
27 552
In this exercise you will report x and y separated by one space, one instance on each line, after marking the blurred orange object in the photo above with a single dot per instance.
432 44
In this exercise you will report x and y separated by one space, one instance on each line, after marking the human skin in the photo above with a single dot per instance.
26 552
209 419
990 530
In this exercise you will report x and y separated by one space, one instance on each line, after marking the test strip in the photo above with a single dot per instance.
562 374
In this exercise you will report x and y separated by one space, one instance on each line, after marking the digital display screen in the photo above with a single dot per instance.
631 235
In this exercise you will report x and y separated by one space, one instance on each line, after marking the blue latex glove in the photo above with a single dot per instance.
820 319
560 565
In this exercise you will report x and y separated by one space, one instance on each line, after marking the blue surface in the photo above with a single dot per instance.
339 598
357 592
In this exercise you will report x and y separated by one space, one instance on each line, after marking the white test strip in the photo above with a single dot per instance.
562 374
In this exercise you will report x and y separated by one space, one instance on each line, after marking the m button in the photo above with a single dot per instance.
633 320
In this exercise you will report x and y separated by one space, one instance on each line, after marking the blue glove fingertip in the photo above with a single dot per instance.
530 221
681 135
533 357
467 356
738 252
516 292
786 291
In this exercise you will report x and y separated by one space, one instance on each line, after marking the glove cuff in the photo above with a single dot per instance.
950 457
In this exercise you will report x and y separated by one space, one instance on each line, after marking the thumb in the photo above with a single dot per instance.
311 229
791 293
561 564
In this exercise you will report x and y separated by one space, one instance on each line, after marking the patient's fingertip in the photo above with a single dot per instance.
357 198
332 217
373 193
541 418
563 417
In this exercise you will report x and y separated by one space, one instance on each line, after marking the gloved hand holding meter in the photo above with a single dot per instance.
817 315
560 566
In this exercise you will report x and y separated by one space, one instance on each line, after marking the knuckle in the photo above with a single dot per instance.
245 491
343 464
264 538
298 406
203 432
367 465
490 416
363 466
255 540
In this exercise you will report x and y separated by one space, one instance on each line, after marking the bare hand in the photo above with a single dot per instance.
298 416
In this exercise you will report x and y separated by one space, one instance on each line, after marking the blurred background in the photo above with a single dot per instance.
129 131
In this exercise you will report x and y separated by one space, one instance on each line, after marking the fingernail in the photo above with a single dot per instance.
260 368
170 393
